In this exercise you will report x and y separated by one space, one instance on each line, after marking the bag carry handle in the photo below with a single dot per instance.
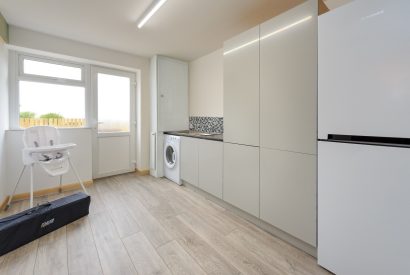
25 213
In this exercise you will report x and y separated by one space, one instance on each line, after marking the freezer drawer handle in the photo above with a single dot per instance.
369 140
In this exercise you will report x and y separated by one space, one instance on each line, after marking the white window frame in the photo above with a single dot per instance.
50 79
16 74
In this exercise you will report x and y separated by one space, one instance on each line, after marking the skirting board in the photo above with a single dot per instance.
45 192
258 222
142 172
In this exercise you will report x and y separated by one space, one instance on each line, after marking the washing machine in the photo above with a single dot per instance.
172 158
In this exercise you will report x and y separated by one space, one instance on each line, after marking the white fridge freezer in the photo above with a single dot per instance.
364 208
364 138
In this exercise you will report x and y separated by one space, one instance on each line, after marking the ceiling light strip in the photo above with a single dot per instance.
270 34
242 46
153 8
286 27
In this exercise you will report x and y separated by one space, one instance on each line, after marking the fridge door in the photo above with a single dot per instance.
363 209
364 65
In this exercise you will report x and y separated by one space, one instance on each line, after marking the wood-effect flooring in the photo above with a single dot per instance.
143 225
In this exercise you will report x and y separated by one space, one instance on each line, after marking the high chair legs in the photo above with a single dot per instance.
77 176
31 185
15 187
61 184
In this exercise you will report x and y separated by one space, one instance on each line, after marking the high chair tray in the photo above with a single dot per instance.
50 149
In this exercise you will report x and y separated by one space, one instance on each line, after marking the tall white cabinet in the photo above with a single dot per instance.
270 97
241 121
288 115
169 105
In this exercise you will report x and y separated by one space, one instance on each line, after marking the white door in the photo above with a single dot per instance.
115 121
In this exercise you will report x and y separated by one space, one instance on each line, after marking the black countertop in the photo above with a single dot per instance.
193 134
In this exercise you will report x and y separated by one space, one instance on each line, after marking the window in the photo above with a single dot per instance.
40 68
113 103
50 93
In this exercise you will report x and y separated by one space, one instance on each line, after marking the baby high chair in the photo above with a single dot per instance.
42 146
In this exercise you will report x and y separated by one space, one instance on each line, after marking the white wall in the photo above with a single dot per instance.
4 115
43 42
206 85
81 157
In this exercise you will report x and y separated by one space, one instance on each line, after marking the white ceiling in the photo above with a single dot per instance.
185 29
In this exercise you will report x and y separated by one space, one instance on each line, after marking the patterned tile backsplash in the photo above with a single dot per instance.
206 124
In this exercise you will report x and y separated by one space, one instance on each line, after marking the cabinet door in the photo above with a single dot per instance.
288 192
288 80
172 83
210 166
241 88
189 160
241 177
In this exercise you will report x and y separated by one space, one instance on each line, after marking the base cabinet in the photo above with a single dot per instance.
189 160
202 164
288 192
241 177
210 163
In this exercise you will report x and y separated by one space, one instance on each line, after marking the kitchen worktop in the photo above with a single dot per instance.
194 134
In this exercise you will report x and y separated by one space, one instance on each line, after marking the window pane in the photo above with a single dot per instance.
113 103
51 70
51 104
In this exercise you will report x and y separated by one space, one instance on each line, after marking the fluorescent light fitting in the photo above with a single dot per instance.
269 34
148 13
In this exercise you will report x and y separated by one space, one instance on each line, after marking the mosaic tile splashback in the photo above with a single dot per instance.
206 124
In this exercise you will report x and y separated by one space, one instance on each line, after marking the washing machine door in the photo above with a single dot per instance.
170 156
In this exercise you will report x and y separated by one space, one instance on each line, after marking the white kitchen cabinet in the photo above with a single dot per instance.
241 88
210 163
241 177
172 89
189 160
288 192
288 80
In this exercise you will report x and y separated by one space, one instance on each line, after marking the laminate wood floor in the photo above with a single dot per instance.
144 225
